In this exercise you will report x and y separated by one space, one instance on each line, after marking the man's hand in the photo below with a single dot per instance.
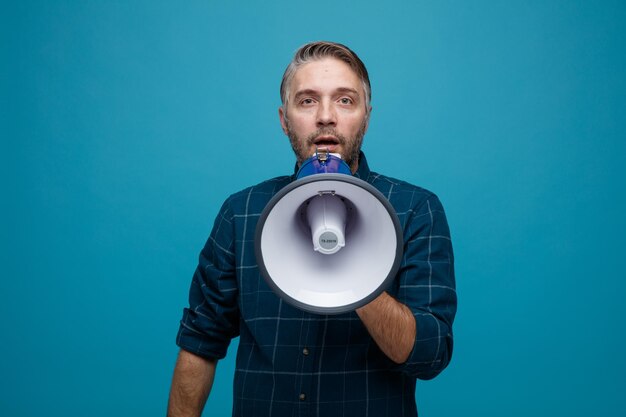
193 378
392 326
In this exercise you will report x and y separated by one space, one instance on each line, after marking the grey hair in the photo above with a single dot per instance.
317 50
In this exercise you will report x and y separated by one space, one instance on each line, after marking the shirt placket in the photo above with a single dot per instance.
309 352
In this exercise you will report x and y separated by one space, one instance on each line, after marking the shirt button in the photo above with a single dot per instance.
302 397
305 352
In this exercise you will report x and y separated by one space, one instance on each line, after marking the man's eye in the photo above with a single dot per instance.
307 101
345 100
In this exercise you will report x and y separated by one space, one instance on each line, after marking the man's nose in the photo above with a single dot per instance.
326 115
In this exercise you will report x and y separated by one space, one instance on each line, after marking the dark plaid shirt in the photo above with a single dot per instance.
293 363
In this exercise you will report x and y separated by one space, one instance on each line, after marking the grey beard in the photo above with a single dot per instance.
352 148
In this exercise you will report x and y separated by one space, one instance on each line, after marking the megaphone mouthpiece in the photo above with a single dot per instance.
323 162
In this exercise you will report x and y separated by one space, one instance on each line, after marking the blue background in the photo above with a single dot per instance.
126 124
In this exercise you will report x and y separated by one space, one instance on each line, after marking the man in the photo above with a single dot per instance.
293 363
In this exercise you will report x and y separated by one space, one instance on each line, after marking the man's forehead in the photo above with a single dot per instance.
325 73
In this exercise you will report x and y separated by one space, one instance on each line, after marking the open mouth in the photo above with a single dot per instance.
326 141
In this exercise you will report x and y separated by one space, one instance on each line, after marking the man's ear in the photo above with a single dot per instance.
283 120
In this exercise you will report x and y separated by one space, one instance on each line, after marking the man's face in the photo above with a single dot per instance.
326 109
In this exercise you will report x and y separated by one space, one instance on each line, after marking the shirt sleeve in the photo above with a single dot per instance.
427 287
212 318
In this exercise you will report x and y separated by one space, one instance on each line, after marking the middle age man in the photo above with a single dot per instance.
291 362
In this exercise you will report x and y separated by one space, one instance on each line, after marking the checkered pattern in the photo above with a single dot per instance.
293 363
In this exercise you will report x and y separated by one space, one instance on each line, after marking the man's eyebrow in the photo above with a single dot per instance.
347 90
306 92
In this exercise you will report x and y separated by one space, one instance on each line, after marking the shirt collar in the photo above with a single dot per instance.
363 171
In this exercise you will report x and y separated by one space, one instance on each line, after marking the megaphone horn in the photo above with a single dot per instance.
328 242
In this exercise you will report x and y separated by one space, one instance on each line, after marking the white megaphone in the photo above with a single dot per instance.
328 242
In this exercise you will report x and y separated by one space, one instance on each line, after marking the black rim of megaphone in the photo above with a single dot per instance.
258 251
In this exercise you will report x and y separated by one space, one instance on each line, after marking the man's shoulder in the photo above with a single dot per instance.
255 197
397 190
